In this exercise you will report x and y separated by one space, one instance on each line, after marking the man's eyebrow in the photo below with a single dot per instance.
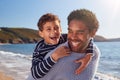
68 28
81 30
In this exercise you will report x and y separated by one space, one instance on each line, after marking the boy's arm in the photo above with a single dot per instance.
85 60
84 63
40 66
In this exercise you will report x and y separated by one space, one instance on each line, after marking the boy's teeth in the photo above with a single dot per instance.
53 37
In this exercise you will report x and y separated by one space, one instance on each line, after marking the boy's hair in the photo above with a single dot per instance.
46 18
86 16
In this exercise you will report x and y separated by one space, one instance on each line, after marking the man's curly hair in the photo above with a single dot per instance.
46 18
86 16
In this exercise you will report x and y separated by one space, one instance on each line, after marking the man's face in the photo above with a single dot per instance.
78 36
51 32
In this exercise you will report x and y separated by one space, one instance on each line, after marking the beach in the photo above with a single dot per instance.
17 67
15 61
5 77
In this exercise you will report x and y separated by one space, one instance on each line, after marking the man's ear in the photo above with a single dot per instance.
93 33
40 34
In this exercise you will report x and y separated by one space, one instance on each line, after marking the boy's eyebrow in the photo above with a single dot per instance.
48 26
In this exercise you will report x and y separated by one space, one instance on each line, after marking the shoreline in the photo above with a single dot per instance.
11 74
4 76
4 73
101 76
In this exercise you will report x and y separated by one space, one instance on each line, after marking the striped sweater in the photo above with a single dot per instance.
40 66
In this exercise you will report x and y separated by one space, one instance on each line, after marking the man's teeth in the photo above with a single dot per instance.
75 43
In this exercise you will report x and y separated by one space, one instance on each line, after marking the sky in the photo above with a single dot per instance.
26 13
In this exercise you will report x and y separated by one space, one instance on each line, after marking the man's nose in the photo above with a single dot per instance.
74 36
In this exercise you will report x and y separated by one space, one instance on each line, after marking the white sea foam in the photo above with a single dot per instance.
101 76
18 66
12 54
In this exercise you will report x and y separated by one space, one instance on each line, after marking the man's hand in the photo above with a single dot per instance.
84 63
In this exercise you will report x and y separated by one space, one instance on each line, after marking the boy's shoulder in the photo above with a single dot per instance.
64 37
40 41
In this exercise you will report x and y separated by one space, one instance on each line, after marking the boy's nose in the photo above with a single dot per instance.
54 31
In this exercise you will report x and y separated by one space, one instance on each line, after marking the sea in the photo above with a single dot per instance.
15 60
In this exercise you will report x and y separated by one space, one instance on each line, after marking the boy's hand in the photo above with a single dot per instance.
60 52
84 63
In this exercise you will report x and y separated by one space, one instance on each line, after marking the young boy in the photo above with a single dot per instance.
50 30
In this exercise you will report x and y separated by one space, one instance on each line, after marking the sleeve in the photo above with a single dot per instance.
64 36
89 49
40 66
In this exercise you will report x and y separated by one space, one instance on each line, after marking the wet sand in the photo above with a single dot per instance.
3 76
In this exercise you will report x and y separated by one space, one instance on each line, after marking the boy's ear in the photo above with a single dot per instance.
60 29
40 34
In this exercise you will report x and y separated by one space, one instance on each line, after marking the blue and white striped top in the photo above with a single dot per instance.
40 66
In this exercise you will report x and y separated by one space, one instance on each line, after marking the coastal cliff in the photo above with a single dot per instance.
18 35
25 35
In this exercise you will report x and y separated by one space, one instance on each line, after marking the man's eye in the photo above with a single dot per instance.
80 32
69 31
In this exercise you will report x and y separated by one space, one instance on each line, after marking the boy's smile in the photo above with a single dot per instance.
54 38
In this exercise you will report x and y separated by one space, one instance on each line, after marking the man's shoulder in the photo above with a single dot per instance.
96 50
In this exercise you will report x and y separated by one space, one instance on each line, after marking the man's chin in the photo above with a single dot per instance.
74 49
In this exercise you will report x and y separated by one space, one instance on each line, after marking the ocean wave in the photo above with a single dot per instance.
101 76
12 54
15 64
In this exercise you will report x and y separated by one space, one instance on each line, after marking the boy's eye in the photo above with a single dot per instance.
48 29
56 28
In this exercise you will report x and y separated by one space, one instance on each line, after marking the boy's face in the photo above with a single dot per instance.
51 32
78 36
